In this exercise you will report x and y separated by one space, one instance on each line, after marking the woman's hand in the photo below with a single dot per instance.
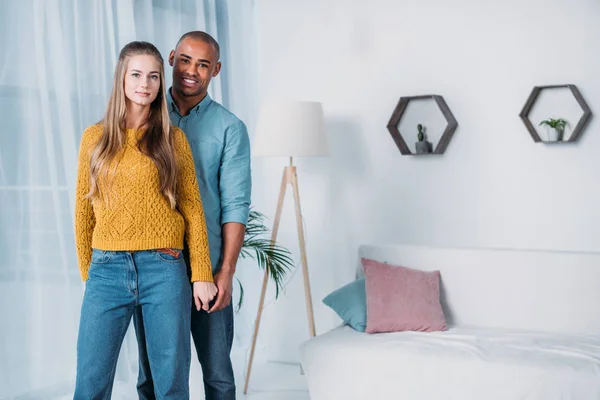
204 293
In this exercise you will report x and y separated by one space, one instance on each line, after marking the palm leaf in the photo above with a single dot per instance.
268 255
241 295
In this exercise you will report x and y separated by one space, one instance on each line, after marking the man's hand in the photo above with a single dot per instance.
233 238
224 281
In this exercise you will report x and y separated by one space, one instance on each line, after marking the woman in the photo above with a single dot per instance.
137 198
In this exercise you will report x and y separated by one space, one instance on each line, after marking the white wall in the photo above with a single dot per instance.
493 187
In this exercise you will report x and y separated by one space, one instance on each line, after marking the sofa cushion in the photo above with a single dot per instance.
350 303
402 299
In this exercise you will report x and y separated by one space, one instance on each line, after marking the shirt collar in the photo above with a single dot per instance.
198 109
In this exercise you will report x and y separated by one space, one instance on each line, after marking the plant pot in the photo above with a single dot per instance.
423 147
555 134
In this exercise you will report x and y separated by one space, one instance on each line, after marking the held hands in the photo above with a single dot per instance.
204 293
224 281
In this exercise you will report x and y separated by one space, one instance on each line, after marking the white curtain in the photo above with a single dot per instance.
56 64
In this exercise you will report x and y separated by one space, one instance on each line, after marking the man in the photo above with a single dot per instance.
221 148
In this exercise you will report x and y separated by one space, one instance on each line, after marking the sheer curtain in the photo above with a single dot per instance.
56 64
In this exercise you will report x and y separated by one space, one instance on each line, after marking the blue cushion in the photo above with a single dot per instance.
350 303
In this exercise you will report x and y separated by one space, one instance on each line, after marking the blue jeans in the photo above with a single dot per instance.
120 284
213 338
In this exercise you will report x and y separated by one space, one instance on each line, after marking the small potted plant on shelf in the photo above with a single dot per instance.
555 128
422 146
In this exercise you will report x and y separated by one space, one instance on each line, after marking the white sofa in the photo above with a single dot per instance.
522 325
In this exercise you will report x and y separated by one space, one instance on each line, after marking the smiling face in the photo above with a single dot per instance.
194 63
142 79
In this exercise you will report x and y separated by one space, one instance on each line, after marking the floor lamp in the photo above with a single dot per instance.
288 129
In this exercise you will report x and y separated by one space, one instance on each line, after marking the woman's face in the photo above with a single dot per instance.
142 79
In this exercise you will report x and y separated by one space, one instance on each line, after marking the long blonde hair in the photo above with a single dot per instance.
157 141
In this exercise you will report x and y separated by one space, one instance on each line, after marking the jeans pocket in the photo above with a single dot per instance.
101 256
169 255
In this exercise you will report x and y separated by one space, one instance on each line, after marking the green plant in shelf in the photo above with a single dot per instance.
558 124
420 134
556 128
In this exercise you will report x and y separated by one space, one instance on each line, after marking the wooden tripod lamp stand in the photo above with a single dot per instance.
288 129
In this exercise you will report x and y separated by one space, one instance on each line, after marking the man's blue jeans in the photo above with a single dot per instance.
213 338
152 284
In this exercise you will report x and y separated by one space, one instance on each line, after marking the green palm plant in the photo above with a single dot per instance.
267 254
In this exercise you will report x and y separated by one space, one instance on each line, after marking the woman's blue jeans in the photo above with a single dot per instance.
120 282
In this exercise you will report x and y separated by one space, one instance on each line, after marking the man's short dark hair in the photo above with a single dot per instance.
202 36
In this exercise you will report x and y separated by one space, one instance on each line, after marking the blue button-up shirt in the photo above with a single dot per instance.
221 149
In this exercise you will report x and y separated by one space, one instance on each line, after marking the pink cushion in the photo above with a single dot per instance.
402 299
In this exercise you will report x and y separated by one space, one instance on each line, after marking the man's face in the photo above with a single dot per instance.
194 64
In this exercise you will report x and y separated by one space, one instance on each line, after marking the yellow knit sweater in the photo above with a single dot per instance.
137 215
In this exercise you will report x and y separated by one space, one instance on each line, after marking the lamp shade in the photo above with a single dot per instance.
290 129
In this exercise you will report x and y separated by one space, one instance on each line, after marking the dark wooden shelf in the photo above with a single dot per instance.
451 126
587 113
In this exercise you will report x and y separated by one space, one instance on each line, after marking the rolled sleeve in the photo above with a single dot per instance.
235 182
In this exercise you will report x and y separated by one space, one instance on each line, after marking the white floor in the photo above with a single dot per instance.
269 381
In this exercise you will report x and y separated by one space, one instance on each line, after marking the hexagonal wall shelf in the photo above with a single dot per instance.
451 126
585 117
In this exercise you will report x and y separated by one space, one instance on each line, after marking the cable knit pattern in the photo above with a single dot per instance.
137 215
